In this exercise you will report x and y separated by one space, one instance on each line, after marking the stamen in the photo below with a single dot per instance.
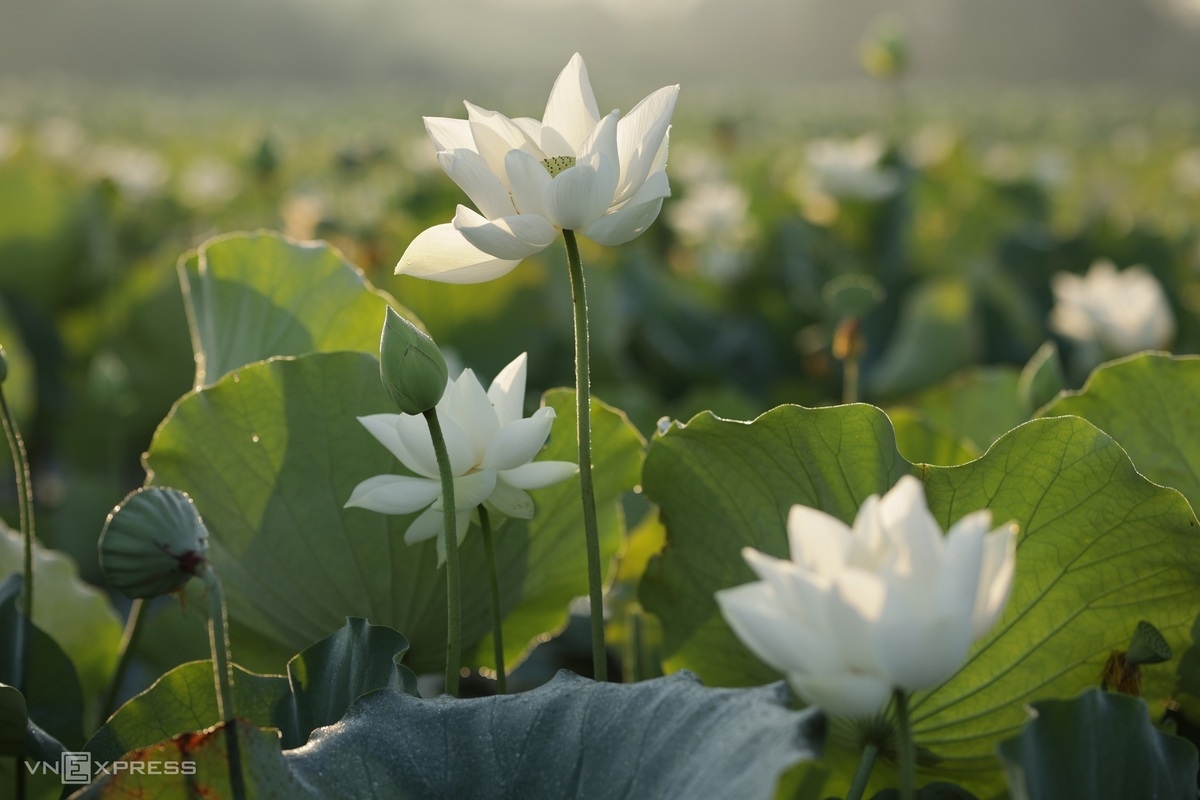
557 164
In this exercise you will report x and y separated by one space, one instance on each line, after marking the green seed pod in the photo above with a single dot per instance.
152 543
1147 646
411 365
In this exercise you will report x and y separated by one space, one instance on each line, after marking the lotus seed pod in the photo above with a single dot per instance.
1147 646
152 543
411 365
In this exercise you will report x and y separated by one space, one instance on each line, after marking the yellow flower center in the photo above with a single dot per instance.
557 164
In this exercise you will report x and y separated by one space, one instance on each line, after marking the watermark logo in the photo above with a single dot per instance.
79 769
75 768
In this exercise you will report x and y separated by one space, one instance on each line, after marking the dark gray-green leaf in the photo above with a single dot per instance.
665 738
1100 746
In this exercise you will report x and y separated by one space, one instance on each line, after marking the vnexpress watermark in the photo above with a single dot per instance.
76 769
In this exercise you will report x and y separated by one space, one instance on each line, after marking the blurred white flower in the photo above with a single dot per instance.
60 138
1122 312
711 212
713 218
208 182
575 170
137 172
931 145
301 214
850 169
888 604
491 448
1050 167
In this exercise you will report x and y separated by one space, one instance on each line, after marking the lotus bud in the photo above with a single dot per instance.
153 543
411 365
3 365
884 53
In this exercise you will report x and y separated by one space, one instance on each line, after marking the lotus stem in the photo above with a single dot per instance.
25 516
453 591
218 639
863 773
489 551
583 427
907 748
133 627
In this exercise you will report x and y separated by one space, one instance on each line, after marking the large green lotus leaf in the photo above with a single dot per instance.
320 685
271 453
253 296
1100 548
1100 746
921 440
77 616
979 405
668 739
1147 403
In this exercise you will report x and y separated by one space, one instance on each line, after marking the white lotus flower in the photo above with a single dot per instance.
1123 312
851 169
888 604
575 170
491 448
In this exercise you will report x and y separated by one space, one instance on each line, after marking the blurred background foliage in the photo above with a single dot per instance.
881 241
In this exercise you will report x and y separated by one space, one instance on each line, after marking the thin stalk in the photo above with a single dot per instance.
583 407
907 748
489 551
850 381
218 639
133 627
863 773
25 517
453 592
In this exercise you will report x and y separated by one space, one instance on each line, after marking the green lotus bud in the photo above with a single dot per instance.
153 542
411 366
3 365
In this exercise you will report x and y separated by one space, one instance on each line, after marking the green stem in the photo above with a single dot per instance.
907 748
218 639
850 381
863 773
25 515
133 627
453 592
583 427
489 551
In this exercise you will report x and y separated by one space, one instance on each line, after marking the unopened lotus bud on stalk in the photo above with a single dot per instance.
3 365
411 365
153 543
